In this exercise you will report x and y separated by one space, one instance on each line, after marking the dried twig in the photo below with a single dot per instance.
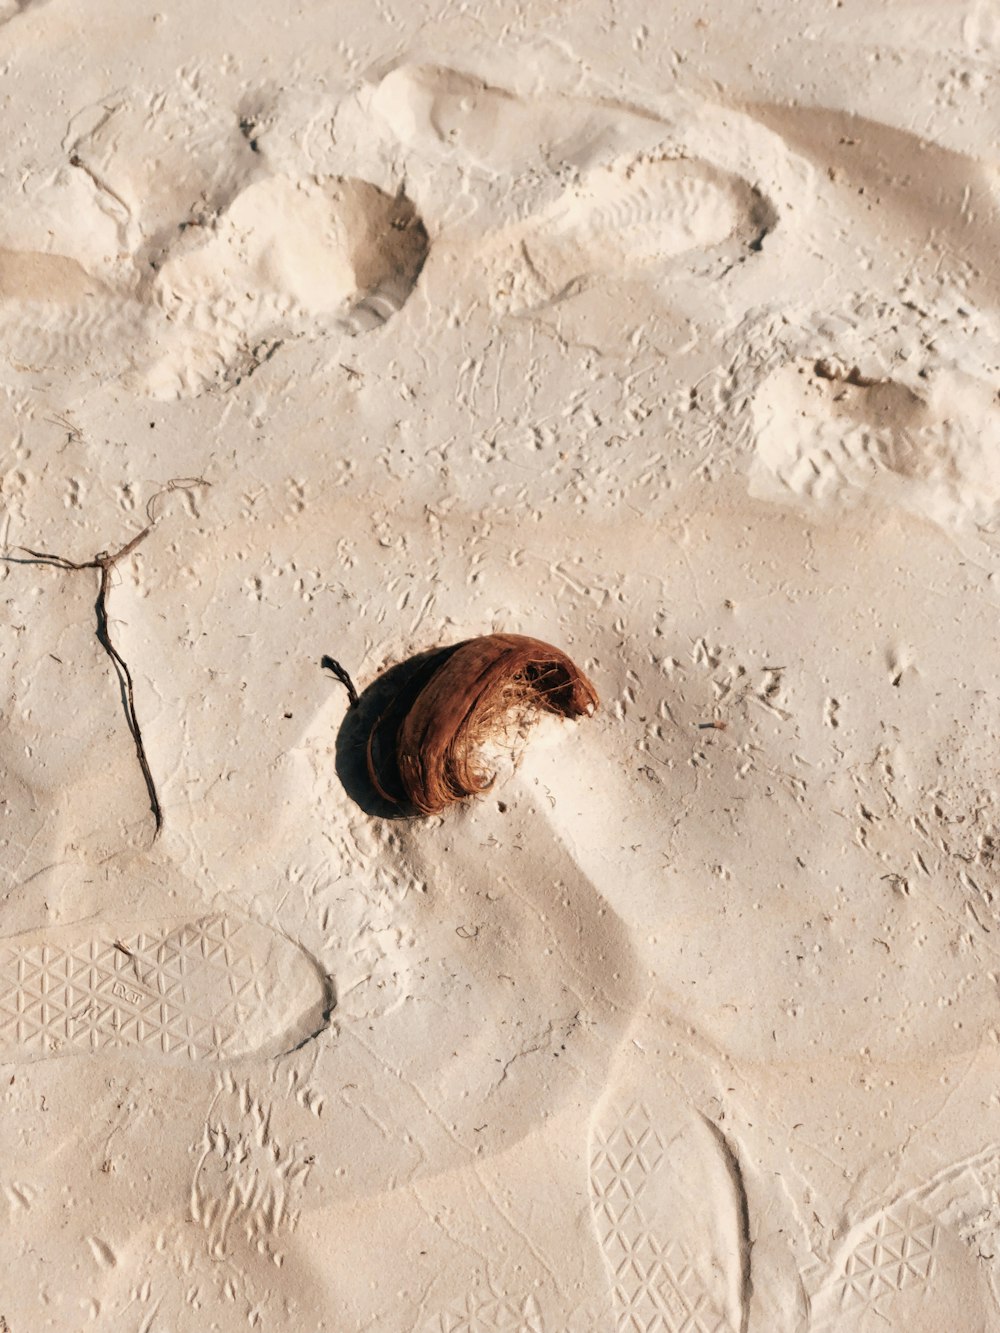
105 562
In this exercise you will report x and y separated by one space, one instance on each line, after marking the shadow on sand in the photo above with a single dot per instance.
372 723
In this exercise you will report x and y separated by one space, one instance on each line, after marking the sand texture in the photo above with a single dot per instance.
667 336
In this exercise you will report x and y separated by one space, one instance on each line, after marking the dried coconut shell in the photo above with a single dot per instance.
424 751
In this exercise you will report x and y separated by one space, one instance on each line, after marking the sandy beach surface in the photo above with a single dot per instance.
667 335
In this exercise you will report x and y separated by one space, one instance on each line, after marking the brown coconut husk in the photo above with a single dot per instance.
425 750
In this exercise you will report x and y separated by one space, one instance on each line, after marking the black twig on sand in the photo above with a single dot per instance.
332 665
105 562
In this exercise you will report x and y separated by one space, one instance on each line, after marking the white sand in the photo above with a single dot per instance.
671 337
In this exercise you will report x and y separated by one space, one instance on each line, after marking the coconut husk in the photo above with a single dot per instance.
425 749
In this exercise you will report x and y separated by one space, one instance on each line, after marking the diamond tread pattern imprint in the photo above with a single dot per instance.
214 988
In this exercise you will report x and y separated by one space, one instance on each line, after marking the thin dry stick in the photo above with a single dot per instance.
106 561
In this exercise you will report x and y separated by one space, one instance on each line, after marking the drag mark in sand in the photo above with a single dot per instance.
248 1181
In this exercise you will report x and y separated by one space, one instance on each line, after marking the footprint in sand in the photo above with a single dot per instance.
494 1312
441 114
668 1206
613 192
287 259
682 1252
224 259
195 254
923 1262
56 315
831 439
624 220
214 988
